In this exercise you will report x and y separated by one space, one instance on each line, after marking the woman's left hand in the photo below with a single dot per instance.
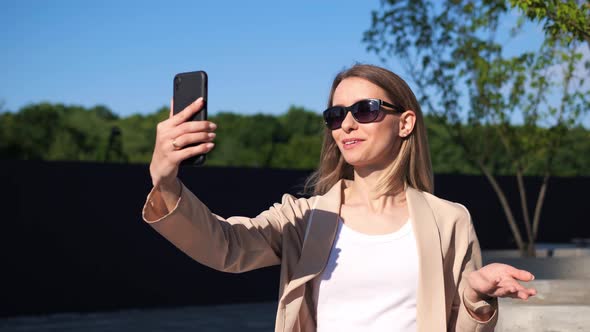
499 280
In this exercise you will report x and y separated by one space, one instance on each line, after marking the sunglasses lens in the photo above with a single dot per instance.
366 111
334 117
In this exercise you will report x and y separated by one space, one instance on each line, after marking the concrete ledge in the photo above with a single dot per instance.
577 252
555 292
570 267
543 318
560 305
541 252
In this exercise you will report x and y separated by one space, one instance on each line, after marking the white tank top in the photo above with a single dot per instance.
370 282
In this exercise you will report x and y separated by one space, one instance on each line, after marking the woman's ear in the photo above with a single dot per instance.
406 123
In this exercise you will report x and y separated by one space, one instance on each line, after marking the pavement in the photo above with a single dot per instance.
250 317
565 312
561 305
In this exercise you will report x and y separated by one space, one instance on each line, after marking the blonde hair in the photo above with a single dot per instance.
412 164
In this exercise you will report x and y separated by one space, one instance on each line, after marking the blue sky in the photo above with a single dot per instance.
261 56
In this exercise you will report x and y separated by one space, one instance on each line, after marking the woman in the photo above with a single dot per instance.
373 249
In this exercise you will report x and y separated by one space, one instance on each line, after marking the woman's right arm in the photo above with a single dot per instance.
173 137
235 244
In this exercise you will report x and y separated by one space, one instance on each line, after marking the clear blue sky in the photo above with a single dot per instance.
261 56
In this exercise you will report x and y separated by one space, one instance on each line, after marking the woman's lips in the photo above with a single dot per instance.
348 144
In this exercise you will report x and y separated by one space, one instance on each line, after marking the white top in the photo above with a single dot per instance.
370 282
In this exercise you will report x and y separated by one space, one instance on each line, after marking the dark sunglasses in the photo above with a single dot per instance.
363 111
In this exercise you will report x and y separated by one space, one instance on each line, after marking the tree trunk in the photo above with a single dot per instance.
507 210
524 206
531 249
539 205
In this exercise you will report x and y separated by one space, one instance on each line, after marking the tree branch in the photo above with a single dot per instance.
505 207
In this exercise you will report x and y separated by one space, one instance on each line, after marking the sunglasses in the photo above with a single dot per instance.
363 111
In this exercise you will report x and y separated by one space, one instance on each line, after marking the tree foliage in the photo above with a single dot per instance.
289 140
59 132
505 110
569 18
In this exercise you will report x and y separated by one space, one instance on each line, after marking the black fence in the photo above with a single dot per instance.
72 237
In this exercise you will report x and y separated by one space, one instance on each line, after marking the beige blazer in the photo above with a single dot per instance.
447 247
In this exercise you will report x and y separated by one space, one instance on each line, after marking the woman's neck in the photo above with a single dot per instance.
362 192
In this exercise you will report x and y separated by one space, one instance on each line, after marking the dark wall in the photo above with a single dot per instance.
72 237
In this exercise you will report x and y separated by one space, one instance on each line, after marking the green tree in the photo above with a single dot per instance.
10 146
300 121
113 149
34 128
568 19
300 152
80 135
47 131
245 140
301 142
289 140
446 157
453 53
138 134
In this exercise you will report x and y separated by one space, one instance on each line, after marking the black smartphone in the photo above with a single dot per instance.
188 87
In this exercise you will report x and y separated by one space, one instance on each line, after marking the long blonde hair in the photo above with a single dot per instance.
412 164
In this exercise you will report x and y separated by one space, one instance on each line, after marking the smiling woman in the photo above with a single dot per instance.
372 249
413 149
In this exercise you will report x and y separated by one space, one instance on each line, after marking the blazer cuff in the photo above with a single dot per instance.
155 209
481 324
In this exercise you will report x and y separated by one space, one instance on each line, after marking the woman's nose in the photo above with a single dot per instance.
349 123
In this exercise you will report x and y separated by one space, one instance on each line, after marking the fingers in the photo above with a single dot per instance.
521 274
177 124
524 294
188 112
192 151
193 138
532 291
511 288
506 291
172 146
192 127
482 284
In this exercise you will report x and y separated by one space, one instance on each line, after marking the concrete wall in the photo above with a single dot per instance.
566 267
562 302
560 305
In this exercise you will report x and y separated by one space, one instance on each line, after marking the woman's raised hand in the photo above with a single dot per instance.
500 280
173 137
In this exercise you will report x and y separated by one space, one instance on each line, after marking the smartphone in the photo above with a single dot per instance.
188 87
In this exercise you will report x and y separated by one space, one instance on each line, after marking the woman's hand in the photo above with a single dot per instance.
172 139
498 280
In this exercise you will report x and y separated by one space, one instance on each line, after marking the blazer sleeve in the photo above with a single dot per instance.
235 244
461 319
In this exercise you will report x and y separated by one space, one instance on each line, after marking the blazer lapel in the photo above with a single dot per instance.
317 246
431 295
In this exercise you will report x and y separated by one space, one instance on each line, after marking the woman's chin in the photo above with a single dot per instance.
365 164
357 162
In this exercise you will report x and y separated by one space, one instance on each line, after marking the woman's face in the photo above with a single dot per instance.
374 144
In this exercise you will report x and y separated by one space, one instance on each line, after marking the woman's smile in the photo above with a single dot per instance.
351 143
